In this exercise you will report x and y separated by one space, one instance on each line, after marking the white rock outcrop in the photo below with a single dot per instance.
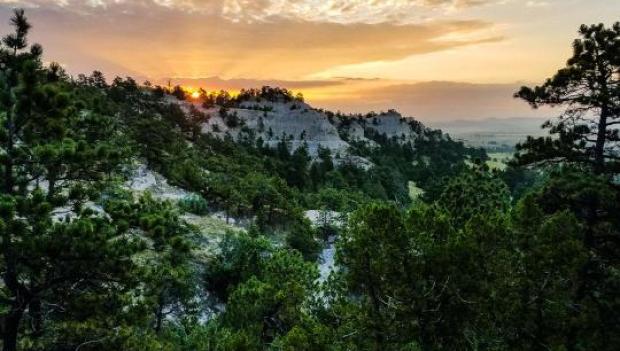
302 125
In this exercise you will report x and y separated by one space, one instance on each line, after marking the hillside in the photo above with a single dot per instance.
219 183
293 120
271 132
299 126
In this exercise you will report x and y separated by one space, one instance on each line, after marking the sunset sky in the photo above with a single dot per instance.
431 59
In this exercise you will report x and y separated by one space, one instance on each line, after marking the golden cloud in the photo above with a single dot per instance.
156 42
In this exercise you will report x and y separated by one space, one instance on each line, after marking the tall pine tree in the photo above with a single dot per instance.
53 156
589 87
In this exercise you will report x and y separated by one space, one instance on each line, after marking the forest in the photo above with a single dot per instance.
525 258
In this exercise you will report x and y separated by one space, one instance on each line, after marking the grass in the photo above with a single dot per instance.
209 225
499 160
211 232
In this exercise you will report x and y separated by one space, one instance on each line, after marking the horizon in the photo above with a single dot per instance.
436 61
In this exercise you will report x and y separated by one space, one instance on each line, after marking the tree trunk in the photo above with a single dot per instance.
540 332
376 307
599 149
8 162
13 318
21 296
36 313
11 327
8 175
159 317
582 286
159 313
51 186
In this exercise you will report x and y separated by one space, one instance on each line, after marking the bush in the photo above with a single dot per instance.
195 204
303 239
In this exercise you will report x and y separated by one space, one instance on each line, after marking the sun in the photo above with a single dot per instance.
195 95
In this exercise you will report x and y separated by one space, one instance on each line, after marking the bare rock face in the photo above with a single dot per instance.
300 125
393 125
143 179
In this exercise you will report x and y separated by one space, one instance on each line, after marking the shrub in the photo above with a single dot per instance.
195 204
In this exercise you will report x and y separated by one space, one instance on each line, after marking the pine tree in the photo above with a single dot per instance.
589 86
165 274
373 252
53 155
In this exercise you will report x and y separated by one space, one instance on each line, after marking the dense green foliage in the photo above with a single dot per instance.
522 259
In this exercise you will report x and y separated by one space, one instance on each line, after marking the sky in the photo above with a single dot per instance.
434 60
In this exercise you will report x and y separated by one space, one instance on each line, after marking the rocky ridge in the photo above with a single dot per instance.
300 124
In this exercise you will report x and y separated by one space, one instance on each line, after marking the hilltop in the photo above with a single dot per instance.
274 115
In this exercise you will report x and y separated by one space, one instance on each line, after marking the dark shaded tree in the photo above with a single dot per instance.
586 133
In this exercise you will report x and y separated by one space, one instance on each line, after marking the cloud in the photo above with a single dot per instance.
333 11
217 83
156 41
537 3
341 11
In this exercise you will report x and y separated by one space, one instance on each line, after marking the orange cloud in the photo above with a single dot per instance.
161 42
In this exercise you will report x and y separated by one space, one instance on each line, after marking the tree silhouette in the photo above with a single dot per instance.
589 88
